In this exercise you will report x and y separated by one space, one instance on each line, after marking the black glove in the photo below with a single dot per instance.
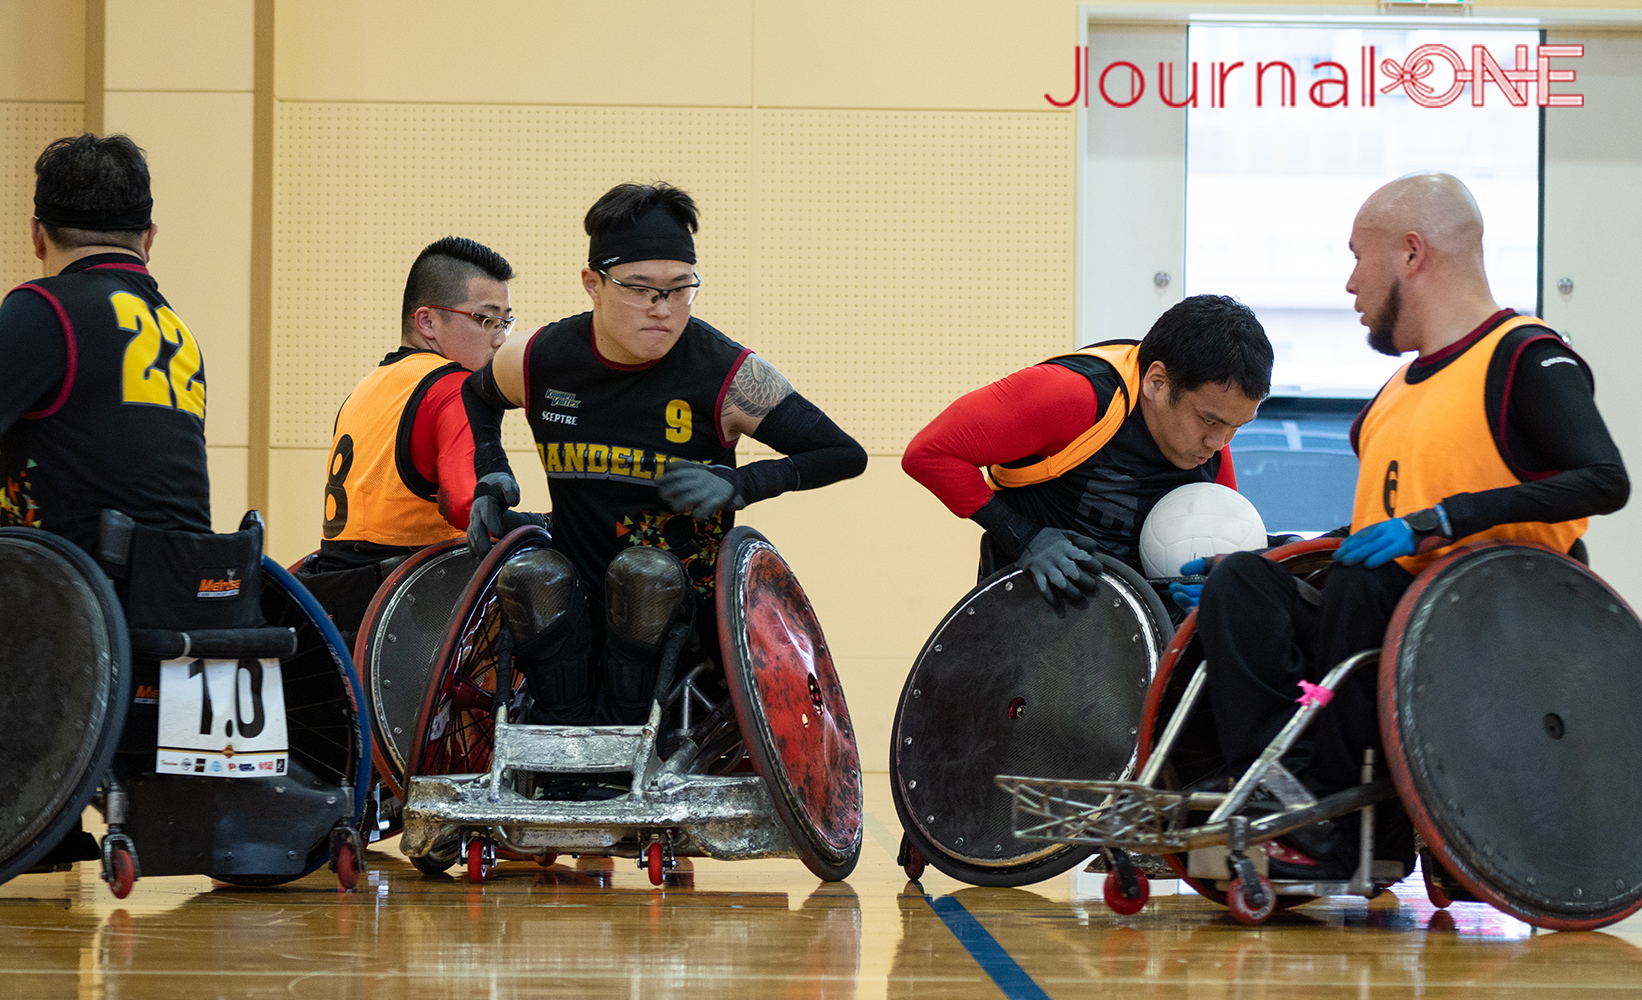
494 494
1061 560
700 490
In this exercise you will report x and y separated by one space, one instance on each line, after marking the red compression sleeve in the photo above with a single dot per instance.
1035 411
442 447
1227 476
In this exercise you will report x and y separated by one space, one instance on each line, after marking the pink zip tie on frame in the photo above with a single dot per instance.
1312 694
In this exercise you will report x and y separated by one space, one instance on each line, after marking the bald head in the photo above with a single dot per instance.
1419 280
1437 207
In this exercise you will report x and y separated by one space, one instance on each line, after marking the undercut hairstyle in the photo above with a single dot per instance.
1210 339
441 273
622 205
106 176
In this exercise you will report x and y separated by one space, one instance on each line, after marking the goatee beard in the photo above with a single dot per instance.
1382 334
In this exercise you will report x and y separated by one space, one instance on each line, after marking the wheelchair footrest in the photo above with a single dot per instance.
730 817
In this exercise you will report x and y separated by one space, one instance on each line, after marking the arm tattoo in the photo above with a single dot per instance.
756 389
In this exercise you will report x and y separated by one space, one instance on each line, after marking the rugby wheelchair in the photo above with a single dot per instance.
1007 683
1509 685
193 690
749 755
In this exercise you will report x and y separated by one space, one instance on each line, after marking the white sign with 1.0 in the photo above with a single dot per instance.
222 718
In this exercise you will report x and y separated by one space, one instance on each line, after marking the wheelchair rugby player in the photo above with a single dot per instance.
1497 732
108 567
636 408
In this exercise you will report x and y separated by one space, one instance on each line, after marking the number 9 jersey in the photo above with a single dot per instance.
117 414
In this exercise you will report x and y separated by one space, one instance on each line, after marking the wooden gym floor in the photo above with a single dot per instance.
596 928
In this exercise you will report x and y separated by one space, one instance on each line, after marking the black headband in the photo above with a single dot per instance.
136 217
654 235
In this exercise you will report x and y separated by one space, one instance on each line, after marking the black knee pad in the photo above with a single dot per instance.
647 590
536 590
546 610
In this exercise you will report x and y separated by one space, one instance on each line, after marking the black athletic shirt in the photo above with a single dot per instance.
1539 398
1109 495
605 433
102 405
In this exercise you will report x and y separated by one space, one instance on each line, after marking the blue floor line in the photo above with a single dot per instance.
986 950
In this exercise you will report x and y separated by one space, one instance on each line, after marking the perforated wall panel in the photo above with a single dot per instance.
25 128
361 188
903 258
887 262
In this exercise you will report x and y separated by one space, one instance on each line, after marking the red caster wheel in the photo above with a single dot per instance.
1121 904
546 860
476 861
910 860
1240 907
124 873
347 867
652 858
1433 887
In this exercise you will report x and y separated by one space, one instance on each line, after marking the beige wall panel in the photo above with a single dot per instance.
178 45
199 156
519 51
360 189
904 258
296 494
973 54
25 129
229 500
42 50
879 584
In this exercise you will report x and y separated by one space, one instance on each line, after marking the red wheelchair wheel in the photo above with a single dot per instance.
789 703
1120 904
125 872
454 729
1239 904
652 863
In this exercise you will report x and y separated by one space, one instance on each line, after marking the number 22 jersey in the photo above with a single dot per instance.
123 425
606 432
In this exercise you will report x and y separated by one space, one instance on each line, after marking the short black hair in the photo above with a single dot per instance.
1210 338
623 204
85 173
441 273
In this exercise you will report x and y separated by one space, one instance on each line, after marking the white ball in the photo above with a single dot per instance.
1195 521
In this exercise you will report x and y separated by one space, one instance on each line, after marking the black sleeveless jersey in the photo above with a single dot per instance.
1108 496
606 432
124 427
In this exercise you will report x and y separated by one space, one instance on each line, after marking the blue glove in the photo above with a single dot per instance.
1186 594
1377 544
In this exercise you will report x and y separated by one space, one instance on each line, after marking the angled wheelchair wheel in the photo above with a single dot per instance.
789 702
329 732
408 620
1509 692
1196 758
454 726
1007 684
65 684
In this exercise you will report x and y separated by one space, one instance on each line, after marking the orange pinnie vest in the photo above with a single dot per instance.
1420 443
372 491
1125 357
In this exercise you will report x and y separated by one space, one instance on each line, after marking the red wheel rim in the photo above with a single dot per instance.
1240 908
653 859
125 873
347 867
1121 904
